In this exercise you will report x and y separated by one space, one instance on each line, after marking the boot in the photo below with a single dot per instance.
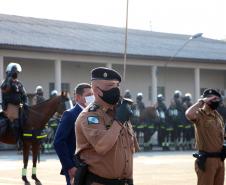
17 133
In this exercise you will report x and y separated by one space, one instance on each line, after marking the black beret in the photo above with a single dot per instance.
103 73
209 92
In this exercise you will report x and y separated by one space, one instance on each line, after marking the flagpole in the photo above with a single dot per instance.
125 46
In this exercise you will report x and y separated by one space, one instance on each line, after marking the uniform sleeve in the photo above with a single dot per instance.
64 129
198 116
24 95
136 145
5 86
101 139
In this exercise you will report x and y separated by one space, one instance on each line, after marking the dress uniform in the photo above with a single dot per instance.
209 134
106 145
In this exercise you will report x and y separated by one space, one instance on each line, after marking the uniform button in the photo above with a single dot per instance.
124 147
127 161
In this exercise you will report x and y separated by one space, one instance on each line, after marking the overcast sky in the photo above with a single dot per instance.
173 16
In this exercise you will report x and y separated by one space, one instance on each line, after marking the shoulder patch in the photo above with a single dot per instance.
93 120
94 108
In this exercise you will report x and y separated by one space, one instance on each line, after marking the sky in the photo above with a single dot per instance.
172 16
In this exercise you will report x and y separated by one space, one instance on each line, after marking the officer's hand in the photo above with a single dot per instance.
72 173
123 111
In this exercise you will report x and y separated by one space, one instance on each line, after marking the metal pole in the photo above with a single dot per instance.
197 35
125 47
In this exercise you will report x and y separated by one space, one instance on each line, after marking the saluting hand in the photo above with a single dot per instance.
209 99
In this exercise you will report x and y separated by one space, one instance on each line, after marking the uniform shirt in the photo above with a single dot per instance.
13 92
209 130
105 145
38 99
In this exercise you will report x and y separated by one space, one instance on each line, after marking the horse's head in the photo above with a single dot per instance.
65 102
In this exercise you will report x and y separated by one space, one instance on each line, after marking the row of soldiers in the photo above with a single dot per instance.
168 124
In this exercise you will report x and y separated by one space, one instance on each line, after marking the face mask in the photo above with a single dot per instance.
14 75
89 99
111 96
214 104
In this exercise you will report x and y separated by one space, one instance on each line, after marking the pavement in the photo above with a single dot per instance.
150 168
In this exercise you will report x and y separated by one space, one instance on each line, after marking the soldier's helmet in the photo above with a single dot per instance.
160 98
139 96
53 93
39 90
127 94
13 69
188 97
177 94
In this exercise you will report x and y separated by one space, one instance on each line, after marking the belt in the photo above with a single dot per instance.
95 178
212 154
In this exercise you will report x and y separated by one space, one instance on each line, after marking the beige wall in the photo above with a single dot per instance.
212 78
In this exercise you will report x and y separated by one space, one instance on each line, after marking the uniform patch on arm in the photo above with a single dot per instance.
93 120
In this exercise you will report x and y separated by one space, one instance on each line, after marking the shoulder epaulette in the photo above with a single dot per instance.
94 107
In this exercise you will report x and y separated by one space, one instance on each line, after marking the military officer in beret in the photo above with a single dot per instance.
209 133
104 136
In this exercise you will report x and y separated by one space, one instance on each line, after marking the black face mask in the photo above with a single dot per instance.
14 75
111 96
214 104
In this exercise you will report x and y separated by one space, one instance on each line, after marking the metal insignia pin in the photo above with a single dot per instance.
105 75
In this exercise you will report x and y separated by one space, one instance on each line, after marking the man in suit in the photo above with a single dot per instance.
64 142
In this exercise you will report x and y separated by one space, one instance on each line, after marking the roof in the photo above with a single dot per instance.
18 32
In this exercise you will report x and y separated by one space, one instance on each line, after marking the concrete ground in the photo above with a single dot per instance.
150 168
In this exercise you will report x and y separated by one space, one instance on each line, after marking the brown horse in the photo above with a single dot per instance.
37 117
145 126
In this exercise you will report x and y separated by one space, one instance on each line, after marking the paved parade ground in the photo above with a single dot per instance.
150 168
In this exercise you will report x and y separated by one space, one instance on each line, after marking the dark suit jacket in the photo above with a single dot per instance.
64 142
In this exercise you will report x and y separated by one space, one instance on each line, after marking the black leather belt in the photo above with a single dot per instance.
212 154
95 178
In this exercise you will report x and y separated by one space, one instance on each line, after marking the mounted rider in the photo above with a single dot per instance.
39 95
13 97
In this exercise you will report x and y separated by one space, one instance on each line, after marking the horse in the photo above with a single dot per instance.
37 117
144 123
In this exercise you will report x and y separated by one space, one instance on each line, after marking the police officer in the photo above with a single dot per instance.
104 136
127 94
139 102
179 119
209 133
187 100
13 94
161 125
39 95
188 128
178 99
53 93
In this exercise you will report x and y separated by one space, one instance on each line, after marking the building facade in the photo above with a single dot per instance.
58 55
